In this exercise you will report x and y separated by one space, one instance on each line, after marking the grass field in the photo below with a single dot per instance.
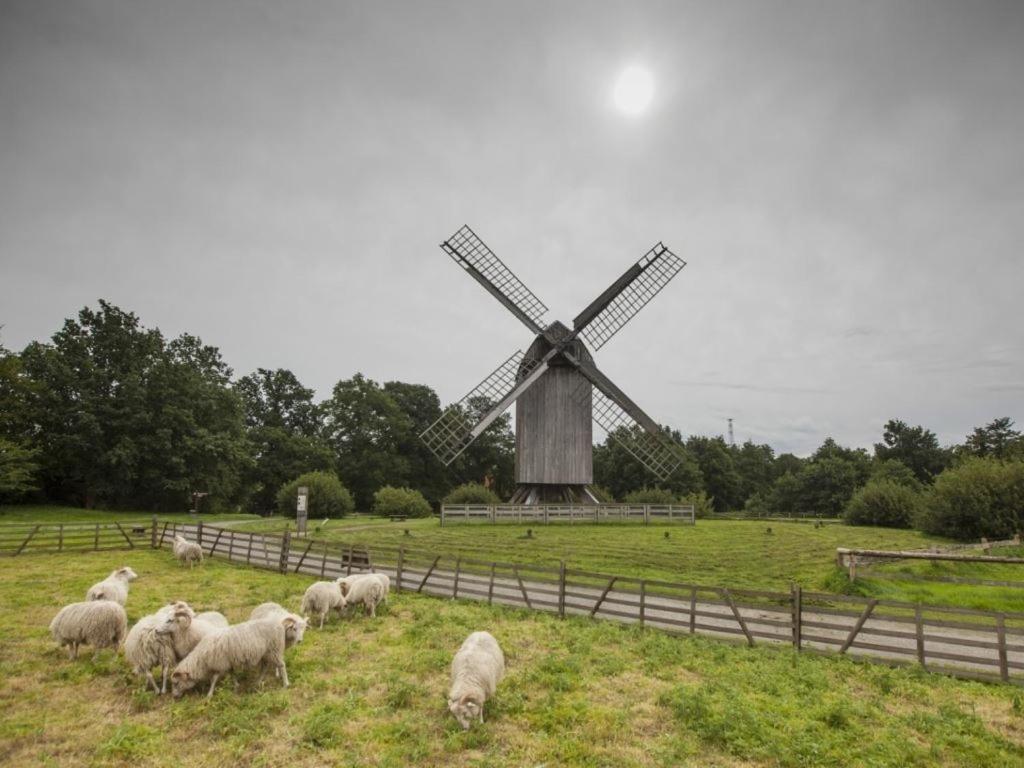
45 513
372 693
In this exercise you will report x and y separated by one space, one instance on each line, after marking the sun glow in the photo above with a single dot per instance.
633 90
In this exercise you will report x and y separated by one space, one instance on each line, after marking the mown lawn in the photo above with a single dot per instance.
755 554
48 513
372 693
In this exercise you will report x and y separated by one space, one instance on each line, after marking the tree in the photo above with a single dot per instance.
721 480
284 427
400 501
754 465
472 493
916 447
895 471
327 496
365 427
885 503
17 469
980 497
997 439
422 407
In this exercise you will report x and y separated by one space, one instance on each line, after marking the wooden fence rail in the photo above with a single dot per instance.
959 641
546 514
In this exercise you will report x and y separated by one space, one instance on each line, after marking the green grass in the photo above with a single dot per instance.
48 513
372 692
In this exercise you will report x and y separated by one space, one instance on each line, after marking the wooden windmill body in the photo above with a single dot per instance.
557 389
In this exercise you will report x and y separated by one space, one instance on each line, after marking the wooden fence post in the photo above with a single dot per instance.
561 589
248 552
285 549
797 594
643 601
455 585
323 561
919 625
1004 668
60 538
199 533
96 540
693 610
490 587
152 537
398 569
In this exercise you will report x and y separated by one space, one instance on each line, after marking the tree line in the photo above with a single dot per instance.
111 413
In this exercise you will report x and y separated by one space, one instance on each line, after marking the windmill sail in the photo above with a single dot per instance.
626 296
473 255
654 450
462 422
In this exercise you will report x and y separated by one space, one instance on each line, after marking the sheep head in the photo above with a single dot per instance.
179 618
181 681
294 628
466 709
125 574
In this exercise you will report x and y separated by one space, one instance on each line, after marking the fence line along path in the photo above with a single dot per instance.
545 514
958 641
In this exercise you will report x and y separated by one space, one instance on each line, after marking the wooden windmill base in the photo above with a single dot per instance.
537 493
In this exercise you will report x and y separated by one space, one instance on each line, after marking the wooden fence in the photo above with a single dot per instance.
958 641
545 514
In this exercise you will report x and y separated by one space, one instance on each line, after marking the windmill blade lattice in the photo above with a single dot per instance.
656 452
452 432
473 255
657 267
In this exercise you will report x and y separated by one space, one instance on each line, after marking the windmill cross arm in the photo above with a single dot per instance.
606 385
489 287
597 305
510 398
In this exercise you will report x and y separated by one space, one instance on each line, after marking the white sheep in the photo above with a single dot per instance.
367 590
293 632
249 645
383 578
114 587
322 597
187 551
477 669
99 623
184 629
145 649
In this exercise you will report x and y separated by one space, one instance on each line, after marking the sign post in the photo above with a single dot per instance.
302 511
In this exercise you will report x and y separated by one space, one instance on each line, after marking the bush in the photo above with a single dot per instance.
651 496
400 501
602 494
884 502
980 497
472 493
327 496
703 505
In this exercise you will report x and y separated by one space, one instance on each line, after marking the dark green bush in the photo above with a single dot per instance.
651 496
980 497
703 505
472 493
886 503
327 496
400 501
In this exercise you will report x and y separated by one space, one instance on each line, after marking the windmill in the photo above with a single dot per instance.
557 389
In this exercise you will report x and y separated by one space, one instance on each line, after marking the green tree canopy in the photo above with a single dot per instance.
916 447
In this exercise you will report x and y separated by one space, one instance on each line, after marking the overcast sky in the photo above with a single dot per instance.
845 181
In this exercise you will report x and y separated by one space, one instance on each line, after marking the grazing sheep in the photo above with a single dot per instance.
383 578
477 669
99 623
187 551
249 645
114 587
293 632
367 590
322 597
183 629
145 649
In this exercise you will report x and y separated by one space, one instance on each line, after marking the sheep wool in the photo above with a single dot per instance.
273 611
383 578
145 649
477 669
249 645
183 629
187 551
114 587
322 597
99 623
367 590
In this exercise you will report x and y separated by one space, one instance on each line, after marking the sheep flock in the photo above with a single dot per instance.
191 649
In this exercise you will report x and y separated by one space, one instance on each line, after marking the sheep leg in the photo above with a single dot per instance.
150 681
373 609
213 684
163 683
72 651
323 616
284 674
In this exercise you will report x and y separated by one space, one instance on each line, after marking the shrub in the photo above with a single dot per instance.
980 497
327 496
400 501
602 494
896 471
472 493
703 505
884 502
651 496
